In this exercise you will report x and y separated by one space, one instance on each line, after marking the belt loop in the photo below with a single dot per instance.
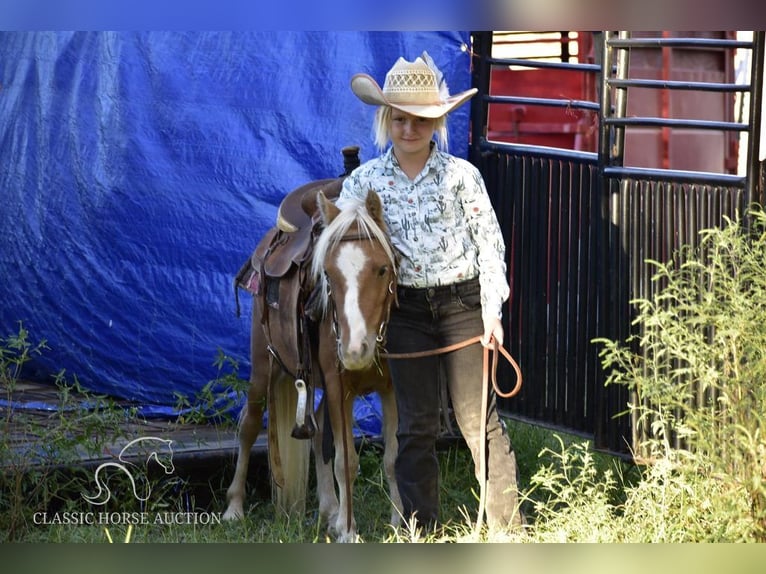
453 289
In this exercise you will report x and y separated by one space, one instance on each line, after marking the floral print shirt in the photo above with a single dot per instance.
441 223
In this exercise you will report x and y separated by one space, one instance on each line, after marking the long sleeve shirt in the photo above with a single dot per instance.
442 223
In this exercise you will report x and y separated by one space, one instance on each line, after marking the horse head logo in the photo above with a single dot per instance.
152 448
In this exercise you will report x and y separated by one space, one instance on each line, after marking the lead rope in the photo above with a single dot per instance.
484 400
483 450
486 373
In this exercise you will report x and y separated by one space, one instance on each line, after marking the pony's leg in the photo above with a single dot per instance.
346 461
250 424
328 498
391 444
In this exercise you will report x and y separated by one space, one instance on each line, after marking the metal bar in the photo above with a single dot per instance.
565 46
754 135
649 174
576 104
539 151
600 259
537 289
620 104
594 375
623 43
675 123
480 77
565 313
678 85
665 105
552 193
518 244
573 67
605 134
576 305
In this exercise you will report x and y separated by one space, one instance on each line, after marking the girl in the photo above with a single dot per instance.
452 283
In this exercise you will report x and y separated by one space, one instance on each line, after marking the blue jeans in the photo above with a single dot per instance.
430 318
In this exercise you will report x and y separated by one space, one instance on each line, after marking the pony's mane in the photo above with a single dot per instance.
353 211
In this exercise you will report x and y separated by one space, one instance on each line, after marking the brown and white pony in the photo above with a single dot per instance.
354 264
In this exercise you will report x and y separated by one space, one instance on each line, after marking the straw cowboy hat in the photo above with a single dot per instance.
417 88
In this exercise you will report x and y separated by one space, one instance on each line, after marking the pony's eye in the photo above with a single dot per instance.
383 271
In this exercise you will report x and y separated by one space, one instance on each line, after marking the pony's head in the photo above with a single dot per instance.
355 266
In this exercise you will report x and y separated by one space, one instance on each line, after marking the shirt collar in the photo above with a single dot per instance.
434 163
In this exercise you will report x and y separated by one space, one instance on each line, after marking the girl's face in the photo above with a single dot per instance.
411 135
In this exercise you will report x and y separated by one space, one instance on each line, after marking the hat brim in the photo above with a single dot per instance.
368 90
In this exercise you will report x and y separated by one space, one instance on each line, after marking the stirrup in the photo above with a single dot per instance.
304 428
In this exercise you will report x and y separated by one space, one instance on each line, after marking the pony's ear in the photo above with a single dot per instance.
327 208
374 206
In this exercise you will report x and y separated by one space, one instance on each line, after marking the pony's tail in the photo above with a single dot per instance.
294 454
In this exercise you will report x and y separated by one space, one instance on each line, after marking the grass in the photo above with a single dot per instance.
570 494
559 475
459 503
695 369
41 498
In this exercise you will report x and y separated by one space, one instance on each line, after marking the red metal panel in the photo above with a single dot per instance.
541 125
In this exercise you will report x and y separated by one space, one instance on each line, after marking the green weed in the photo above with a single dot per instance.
695 368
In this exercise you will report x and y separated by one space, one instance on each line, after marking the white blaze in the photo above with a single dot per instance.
351 260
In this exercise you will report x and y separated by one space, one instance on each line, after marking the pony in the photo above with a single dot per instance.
353 276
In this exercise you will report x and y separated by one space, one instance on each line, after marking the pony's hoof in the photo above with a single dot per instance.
233 514
339 533
348 538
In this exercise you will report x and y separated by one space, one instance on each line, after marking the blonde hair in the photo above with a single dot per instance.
381 129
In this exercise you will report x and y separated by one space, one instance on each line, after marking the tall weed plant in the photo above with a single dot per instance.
219 399
44 452
696 367
40 452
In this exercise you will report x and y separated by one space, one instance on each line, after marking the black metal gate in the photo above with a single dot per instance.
580 225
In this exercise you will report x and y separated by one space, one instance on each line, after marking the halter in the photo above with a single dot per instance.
380 338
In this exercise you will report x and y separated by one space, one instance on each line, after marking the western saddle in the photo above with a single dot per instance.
288 245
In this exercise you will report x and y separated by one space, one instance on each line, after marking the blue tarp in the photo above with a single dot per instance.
139 171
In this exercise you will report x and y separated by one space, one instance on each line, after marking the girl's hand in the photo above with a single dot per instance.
493 329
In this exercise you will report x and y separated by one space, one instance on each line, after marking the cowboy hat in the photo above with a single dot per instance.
417 88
